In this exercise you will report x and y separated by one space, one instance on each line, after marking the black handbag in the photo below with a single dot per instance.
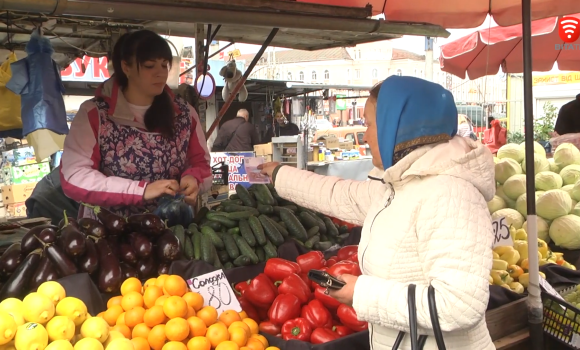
417 343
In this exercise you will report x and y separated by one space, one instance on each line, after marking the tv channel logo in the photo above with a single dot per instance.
569 29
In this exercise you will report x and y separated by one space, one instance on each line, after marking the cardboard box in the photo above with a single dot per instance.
263 150
17 193
346 145
331 142
30 173
17 210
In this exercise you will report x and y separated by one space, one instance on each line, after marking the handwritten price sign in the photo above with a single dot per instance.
216 291
502 234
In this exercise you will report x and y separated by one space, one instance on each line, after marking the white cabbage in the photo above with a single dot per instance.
547 180
538 149
495 204
553 166
543 229
515 186
511 150
566 154
570 174
565 231
553 204
506 168
540 164
512 217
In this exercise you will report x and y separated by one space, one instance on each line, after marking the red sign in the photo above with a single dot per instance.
90 69
569 29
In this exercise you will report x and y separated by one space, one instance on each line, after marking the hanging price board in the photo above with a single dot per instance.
216 291
546 286
501 231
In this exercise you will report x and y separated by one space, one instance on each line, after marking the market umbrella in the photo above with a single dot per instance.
485 51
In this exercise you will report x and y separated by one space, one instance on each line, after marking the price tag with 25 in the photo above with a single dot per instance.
502 234
216 291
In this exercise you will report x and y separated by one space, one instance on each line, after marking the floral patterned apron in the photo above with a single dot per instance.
135 154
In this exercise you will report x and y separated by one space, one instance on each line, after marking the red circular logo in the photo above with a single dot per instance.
569 29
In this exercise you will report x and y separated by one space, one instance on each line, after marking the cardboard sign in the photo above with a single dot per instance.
501 232
236 170
216 291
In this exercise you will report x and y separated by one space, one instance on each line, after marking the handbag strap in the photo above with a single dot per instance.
435 318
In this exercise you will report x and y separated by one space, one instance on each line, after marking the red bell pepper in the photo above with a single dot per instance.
344 267
284 308
323 335
293 284
278 269
240 288
298 329
306 280
342 331
353 258
331 262
317 314
269 327
327 300
311 261
346 252
348 317
263 313
261 291
249 309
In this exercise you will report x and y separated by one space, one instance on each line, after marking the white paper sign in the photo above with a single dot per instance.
549 289
502 233
216 291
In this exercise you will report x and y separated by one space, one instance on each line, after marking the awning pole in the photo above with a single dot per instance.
241 82
534 293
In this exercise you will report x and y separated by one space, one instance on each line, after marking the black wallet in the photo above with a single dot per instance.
325 280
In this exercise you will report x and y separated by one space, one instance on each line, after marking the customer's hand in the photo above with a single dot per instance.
189 188
346 293
268 168
160 187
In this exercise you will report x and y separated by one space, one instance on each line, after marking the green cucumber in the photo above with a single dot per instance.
216 226
307 219
234 196
179 232
216 260
261 254
196 244
343 229
235 208
246 233
293 225
313 231
257 230
242 260
271 231
323 246
330 227
207 249
245 249
312 241
224 256
282 229
263 195
200 215
189 251
234 231
231 246
265 209
237 215
228 265
222 219
270 250
341 238
245 196
215 239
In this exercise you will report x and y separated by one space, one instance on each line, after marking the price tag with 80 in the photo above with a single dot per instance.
502 234
216 291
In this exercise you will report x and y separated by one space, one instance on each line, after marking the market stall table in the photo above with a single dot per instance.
356 169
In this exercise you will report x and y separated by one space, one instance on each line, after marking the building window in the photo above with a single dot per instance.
326 75
375 73
357 73
399 72
313 75
301 76
289 75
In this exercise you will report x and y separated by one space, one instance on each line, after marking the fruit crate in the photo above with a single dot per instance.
562 317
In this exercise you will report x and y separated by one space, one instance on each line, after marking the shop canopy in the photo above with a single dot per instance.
485 51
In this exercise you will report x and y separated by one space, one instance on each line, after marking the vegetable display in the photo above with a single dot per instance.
290 306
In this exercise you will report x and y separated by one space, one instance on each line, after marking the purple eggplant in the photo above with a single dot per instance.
72 241
128 271
110 274
149 224
29 242
114 224
114 243
17 284
48 235
44 272
128 254
92 227
146 268
89 262
10 260
67 220
63 264
141 244
167 247
163 268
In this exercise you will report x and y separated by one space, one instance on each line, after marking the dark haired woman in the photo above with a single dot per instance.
135 141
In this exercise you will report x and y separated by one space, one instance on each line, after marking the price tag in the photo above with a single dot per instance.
216 291
502 233
549 289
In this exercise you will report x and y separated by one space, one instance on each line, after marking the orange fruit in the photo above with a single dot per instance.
197 327
193 299
190 312
161 300
242 325
229 316
243 314
239 336
255 344
208 314
154 316
140 343
254 327
114 301
175 286
268 348
123 329
157 337
174 345
245 348
112 314
228 345
151 295
121 319
132 300
150 282
134 316
175 307
177 329
141 331
217 333
198 343
160 282
260 338
101 315
131 284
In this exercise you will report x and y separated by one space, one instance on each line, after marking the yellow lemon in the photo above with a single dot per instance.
88 344
60 345
52 290
72 308
37 308
121 344
11 304
7 328
31 336
8 346
60 328
113 335
95 327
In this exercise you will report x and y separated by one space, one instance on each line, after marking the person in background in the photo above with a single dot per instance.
135 141
495 137
465 128
425 222
282 127
236 135
568 121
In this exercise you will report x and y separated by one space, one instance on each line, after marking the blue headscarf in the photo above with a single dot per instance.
411 113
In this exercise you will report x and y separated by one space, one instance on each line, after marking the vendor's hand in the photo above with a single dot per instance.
189 188
346 293
268 168
160 187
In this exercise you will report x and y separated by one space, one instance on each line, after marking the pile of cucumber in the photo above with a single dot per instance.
249 227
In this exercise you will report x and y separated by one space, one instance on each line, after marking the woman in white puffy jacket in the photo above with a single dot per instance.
425 222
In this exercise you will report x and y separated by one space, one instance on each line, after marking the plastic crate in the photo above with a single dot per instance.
561 318
568 138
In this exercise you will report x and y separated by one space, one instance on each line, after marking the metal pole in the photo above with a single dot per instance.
428 58
210 56
534 302
241 82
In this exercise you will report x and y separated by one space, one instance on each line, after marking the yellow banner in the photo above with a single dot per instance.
557 79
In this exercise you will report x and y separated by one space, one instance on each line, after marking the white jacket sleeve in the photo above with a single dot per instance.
454 236
347 200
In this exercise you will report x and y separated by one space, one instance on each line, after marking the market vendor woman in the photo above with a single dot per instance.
135 141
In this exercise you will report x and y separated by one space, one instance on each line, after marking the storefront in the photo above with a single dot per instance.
558 89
